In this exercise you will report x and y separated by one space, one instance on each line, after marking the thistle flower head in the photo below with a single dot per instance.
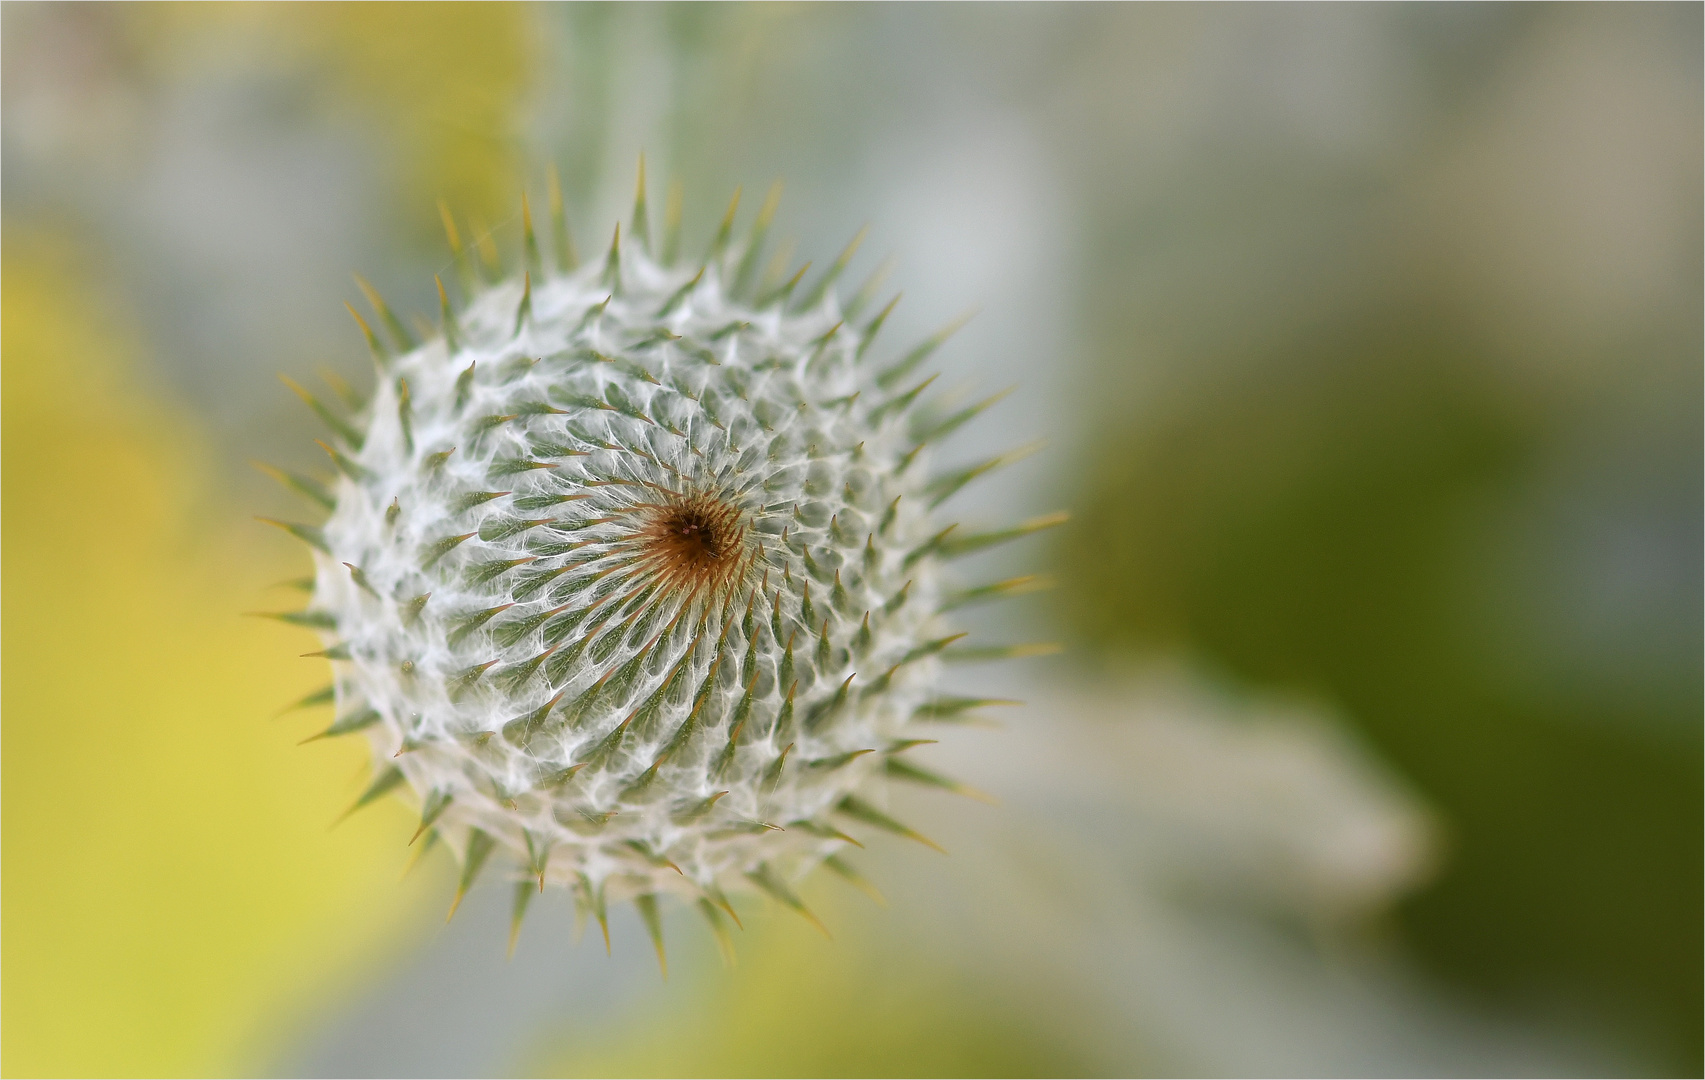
630 574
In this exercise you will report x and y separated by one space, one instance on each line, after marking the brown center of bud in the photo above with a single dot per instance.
693 542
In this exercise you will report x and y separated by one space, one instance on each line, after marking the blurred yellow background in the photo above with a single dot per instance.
171 887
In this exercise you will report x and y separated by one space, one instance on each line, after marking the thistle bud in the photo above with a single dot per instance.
630 576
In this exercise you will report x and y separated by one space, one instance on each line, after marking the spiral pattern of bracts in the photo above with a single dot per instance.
630 573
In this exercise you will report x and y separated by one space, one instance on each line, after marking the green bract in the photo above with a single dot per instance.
630 577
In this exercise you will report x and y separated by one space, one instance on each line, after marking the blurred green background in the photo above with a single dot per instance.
1367 339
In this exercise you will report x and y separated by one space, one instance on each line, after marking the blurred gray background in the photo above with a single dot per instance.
1366 340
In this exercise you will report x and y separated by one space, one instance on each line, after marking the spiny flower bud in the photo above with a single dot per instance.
630 574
